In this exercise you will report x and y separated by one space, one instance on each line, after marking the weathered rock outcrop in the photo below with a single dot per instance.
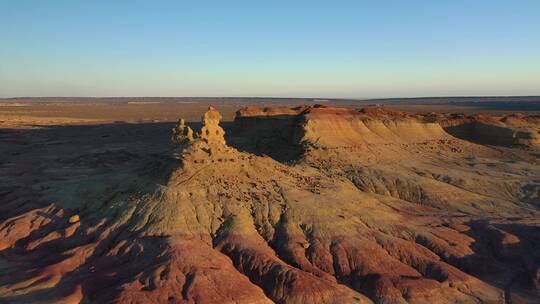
378 206
510 130
211 132
182 134
208 145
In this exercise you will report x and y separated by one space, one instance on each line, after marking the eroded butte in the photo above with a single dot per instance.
288 205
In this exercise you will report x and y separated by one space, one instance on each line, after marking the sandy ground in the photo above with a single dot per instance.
93 113
32 113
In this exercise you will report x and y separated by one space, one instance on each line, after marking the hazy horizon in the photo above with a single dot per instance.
350 49
276 97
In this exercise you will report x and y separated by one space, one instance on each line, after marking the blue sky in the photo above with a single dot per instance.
357 49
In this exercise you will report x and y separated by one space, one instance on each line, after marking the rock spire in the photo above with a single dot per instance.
206 145
211 132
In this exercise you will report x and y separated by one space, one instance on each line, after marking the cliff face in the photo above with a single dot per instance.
333 128
512 130
277 132
346 127
269 131
299 205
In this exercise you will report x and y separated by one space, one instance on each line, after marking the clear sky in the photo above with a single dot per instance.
269 48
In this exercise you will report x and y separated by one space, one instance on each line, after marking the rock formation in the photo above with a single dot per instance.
208 145
510 130
306 205
182 134
211 132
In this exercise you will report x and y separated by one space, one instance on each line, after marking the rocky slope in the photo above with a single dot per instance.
510 130
293 205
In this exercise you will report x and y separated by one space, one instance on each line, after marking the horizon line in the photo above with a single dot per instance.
274 97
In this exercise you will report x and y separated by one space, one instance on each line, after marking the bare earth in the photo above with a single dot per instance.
102 202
